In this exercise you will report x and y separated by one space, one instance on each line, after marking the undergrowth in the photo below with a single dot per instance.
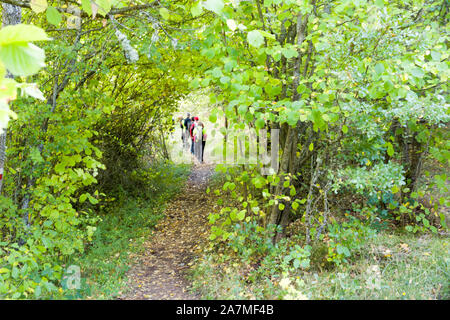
389 266
126 222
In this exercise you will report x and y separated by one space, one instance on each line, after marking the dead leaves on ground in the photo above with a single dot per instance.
161 269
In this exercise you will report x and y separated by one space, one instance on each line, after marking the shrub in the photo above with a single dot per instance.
345 238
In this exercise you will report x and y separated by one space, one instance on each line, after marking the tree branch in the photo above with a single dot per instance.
26 4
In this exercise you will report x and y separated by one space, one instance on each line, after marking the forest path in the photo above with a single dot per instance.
160 273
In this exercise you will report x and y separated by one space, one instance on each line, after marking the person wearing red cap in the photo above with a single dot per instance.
191 132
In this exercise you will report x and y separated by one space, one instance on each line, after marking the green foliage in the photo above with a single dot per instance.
21 58
124 226
53 16
362 88
389 266
358 90
249 241
34 270
371 180
93 141
299 257
346 238
26 272
8 219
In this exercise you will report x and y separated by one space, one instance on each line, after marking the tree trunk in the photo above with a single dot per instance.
11 15
277 216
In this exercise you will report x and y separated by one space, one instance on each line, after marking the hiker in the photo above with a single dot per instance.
191 132
187 124
200 139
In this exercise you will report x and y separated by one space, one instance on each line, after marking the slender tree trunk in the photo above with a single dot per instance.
11 15
277 216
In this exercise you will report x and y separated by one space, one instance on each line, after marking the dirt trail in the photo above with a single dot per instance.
160 271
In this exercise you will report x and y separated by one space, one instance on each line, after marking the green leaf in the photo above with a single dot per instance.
379 68
38 6
83 197
5 114
289 53
164 13
231 24
197 9
194 84
267 34
92 200
379 3
301 88
4 270
242 109
233 215
104 6
388 86
311 146
21 33
390 149
22 59
346 252
292 192
305 263
435 55
35 155
15 272
87 6
8 89
225 79
255 38
344 129
214 5
260 123
417 72
53 16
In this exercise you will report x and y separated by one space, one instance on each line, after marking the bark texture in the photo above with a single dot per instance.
10 15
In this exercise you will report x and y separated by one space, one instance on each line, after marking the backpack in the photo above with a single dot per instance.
191 130
187 123
196 131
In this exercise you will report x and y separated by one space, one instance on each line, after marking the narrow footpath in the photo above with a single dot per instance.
160 273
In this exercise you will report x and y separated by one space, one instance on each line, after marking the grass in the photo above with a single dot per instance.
125 225
390 266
